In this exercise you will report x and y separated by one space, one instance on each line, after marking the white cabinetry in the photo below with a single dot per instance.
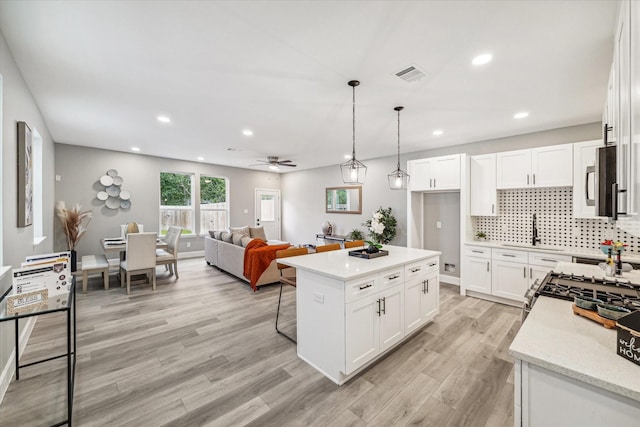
537 167
509 276
482 192
435 174
542 263
634 87
584 178
421 293
476 268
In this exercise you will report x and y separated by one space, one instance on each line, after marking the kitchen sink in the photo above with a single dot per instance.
537 247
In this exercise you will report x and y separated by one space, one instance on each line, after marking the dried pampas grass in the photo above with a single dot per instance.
74 222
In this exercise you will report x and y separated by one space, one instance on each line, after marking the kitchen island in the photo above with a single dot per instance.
567 372
351 311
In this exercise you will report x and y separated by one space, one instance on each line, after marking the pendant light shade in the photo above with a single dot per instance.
398 179
353 171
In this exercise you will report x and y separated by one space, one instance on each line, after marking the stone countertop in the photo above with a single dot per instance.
596 272
561 250
554 338
339 265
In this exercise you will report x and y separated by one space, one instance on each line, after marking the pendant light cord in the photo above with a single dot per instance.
353 153
398 140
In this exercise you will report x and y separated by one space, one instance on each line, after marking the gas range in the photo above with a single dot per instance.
566 286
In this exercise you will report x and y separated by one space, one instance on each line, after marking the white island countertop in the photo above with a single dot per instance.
554 338
339 265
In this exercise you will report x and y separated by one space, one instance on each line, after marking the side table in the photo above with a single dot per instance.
57 303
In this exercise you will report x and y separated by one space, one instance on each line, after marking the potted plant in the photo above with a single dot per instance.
481 235
382 229
74 224
356 234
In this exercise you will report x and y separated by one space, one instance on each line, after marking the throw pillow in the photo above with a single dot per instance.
241 230
245 241
218 235
227 237
258 233
212 234
237 238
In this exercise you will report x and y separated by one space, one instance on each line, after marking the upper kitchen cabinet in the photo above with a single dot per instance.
482 193
622 121
537 167
584 178
435 174
634 88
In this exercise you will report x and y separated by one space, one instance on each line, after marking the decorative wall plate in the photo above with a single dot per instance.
113 203
125 204
112 172
113 190
117 180
102 195
106 180
125 195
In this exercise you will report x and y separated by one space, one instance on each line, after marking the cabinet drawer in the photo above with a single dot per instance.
360 288
417 269
509 255
391 277
477 251
547 260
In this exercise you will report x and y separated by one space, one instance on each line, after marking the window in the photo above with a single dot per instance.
176 202
214 203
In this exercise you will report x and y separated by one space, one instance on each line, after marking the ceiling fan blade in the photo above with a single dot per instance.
284 161
287 164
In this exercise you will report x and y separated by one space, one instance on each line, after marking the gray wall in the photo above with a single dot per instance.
18 105
80 169
303 209
443 208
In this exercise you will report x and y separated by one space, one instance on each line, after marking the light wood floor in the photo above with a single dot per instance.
203 350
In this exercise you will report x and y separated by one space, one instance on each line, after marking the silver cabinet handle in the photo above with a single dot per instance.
530 273
434 183
393 277
524 270
534 179
430 182
487 266
427 286
366 286
433 265
477 252
415 270
548 260
527 179
378 311
509 255
384 305
492 208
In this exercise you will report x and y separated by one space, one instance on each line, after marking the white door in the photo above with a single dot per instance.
483 192
446 173
420 175
268 212
429 297
509 280
412 299
392 317
363 333
513 169
477 273
551 166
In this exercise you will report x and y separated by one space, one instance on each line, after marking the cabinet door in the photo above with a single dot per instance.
634 178
430 297
622 58
446 172
509 279
412 301
584 178
612 107
513 169
477 274
391 317
552 166
362 326
420 175
482 191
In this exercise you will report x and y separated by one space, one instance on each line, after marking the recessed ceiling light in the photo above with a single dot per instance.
485 58
521 115
135 149
163 119
274 168
347 156
247 132
438 132
201 158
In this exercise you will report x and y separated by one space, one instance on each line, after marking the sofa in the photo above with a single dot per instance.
225 251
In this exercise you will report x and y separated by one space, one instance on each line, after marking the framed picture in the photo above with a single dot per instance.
25 176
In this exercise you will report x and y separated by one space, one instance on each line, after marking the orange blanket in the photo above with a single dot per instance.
257 257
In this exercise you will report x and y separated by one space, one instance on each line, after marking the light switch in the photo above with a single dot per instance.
246 211
318 297
58 178
438 224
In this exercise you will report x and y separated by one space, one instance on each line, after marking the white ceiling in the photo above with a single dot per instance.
102 71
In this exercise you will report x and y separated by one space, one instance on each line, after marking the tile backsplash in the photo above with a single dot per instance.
555 222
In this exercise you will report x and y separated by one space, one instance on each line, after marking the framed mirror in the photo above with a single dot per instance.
346 200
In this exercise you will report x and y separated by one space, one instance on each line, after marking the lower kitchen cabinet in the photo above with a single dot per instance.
476 269
421 301
509 279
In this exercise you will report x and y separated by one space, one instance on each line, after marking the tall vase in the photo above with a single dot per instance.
74 260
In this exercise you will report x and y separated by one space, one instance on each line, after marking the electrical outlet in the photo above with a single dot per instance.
188 244
318 297
438 224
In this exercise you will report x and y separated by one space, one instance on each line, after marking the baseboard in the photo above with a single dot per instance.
452 280
193 254
10 368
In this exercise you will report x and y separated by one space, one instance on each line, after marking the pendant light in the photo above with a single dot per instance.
398 179
353 171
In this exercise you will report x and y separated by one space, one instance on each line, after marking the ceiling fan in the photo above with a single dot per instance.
274 163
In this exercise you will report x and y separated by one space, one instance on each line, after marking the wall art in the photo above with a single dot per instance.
25 176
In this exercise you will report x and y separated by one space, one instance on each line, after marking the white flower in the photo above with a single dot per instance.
376 227
377 216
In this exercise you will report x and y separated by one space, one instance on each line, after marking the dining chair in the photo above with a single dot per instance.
327 248
287 277
140 258
169 257
353 244
132 227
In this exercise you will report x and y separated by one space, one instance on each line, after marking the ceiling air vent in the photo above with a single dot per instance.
411 73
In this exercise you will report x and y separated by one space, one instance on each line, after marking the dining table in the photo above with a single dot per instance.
112 245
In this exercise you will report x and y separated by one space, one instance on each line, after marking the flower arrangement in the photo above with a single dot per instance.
74 222
615 247
382 226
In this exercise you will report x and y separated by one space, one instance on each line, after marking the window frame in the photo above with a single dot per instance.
201 209
191 209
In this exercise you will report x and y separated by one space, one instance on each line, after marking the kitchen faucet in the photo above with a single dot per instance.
535 237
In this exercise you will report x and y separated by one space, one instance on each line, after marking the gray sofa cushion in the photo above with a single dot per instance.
241 230
226 237
237 238
258 233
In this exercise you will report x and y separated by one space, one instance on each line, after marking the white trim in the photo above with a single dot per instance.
192 254
38 240
10 368
452 280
